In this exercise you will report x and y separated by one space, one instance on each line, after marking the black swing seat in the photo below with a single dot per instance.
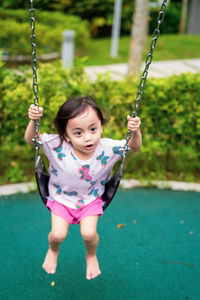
111 188
42 179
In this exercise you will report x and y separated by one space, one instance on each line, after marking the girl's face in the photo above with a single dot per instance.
84 133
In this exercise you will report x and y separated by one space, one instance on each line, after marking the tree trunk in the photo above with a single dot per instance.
183 16
138 36
194 20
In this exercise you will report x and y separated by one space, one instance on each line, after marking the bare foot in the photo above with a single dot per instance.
92 267
50 262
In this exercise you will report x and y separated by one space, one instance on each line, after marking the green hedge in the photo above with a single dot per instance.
170 114
15 31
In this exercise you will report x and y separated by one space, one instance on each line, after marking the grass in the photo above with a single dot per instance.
168 47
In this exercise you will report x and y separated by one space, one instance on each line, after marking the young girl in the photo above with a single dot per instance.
80 162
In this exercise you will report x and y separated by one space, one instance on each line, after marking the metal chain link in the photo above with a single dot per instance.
36 141
143 80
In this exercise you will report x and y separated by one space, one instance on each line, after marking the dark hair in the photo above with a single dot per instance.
71 109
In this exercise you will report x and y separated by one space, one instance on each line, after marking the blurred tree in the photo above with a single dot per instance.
184 10
194 20
138 36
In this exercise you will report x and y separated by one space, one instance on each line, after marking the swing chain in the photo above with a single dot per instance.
36 141
143 80
149 57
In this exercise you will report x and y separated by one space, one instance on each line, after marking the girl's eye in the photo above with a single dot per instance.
78 133
93 129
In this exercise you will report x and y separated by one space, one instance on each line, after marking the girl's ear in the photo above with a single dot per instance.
67 139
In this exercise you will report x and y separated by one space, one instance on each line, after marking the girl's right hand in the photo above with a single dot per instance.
35 112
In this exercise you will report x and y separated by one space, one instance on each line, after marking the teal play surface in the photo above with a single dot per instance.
155 256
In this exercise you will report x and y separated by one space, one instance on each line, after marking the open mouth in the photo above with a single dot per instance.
88 147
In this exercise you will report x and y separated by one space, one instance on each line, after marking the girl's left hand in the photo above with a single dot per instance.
133 123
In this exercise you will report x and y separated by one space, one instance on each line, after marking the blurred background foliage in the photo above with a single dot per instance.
89 19
15 31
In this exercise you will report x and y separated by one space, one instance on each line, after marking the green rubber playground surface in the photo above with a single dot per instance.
155 256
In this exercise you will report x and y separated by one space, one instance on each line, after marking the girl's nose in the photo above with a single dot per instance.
87 137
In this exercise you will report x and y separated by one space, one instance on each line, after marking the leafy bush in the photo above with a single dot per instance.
15 31
170 114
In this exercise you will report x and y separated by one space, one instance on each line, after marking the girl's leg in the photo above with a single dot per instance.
59 229
90 237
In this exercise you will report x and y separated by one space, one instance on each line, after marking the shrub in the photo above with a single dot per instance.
170 113
15 31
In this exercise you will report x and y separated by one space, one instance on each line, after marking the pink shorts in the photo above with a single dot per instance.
73 216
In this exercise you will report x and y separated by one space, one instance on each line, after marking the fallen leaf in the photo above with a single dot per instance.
120 226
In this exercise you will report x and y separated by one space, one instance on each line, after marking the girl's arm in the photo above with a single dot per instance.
135 142
34 113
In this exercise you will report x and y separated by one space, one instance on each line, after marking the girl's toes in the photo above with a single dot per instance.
88 277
